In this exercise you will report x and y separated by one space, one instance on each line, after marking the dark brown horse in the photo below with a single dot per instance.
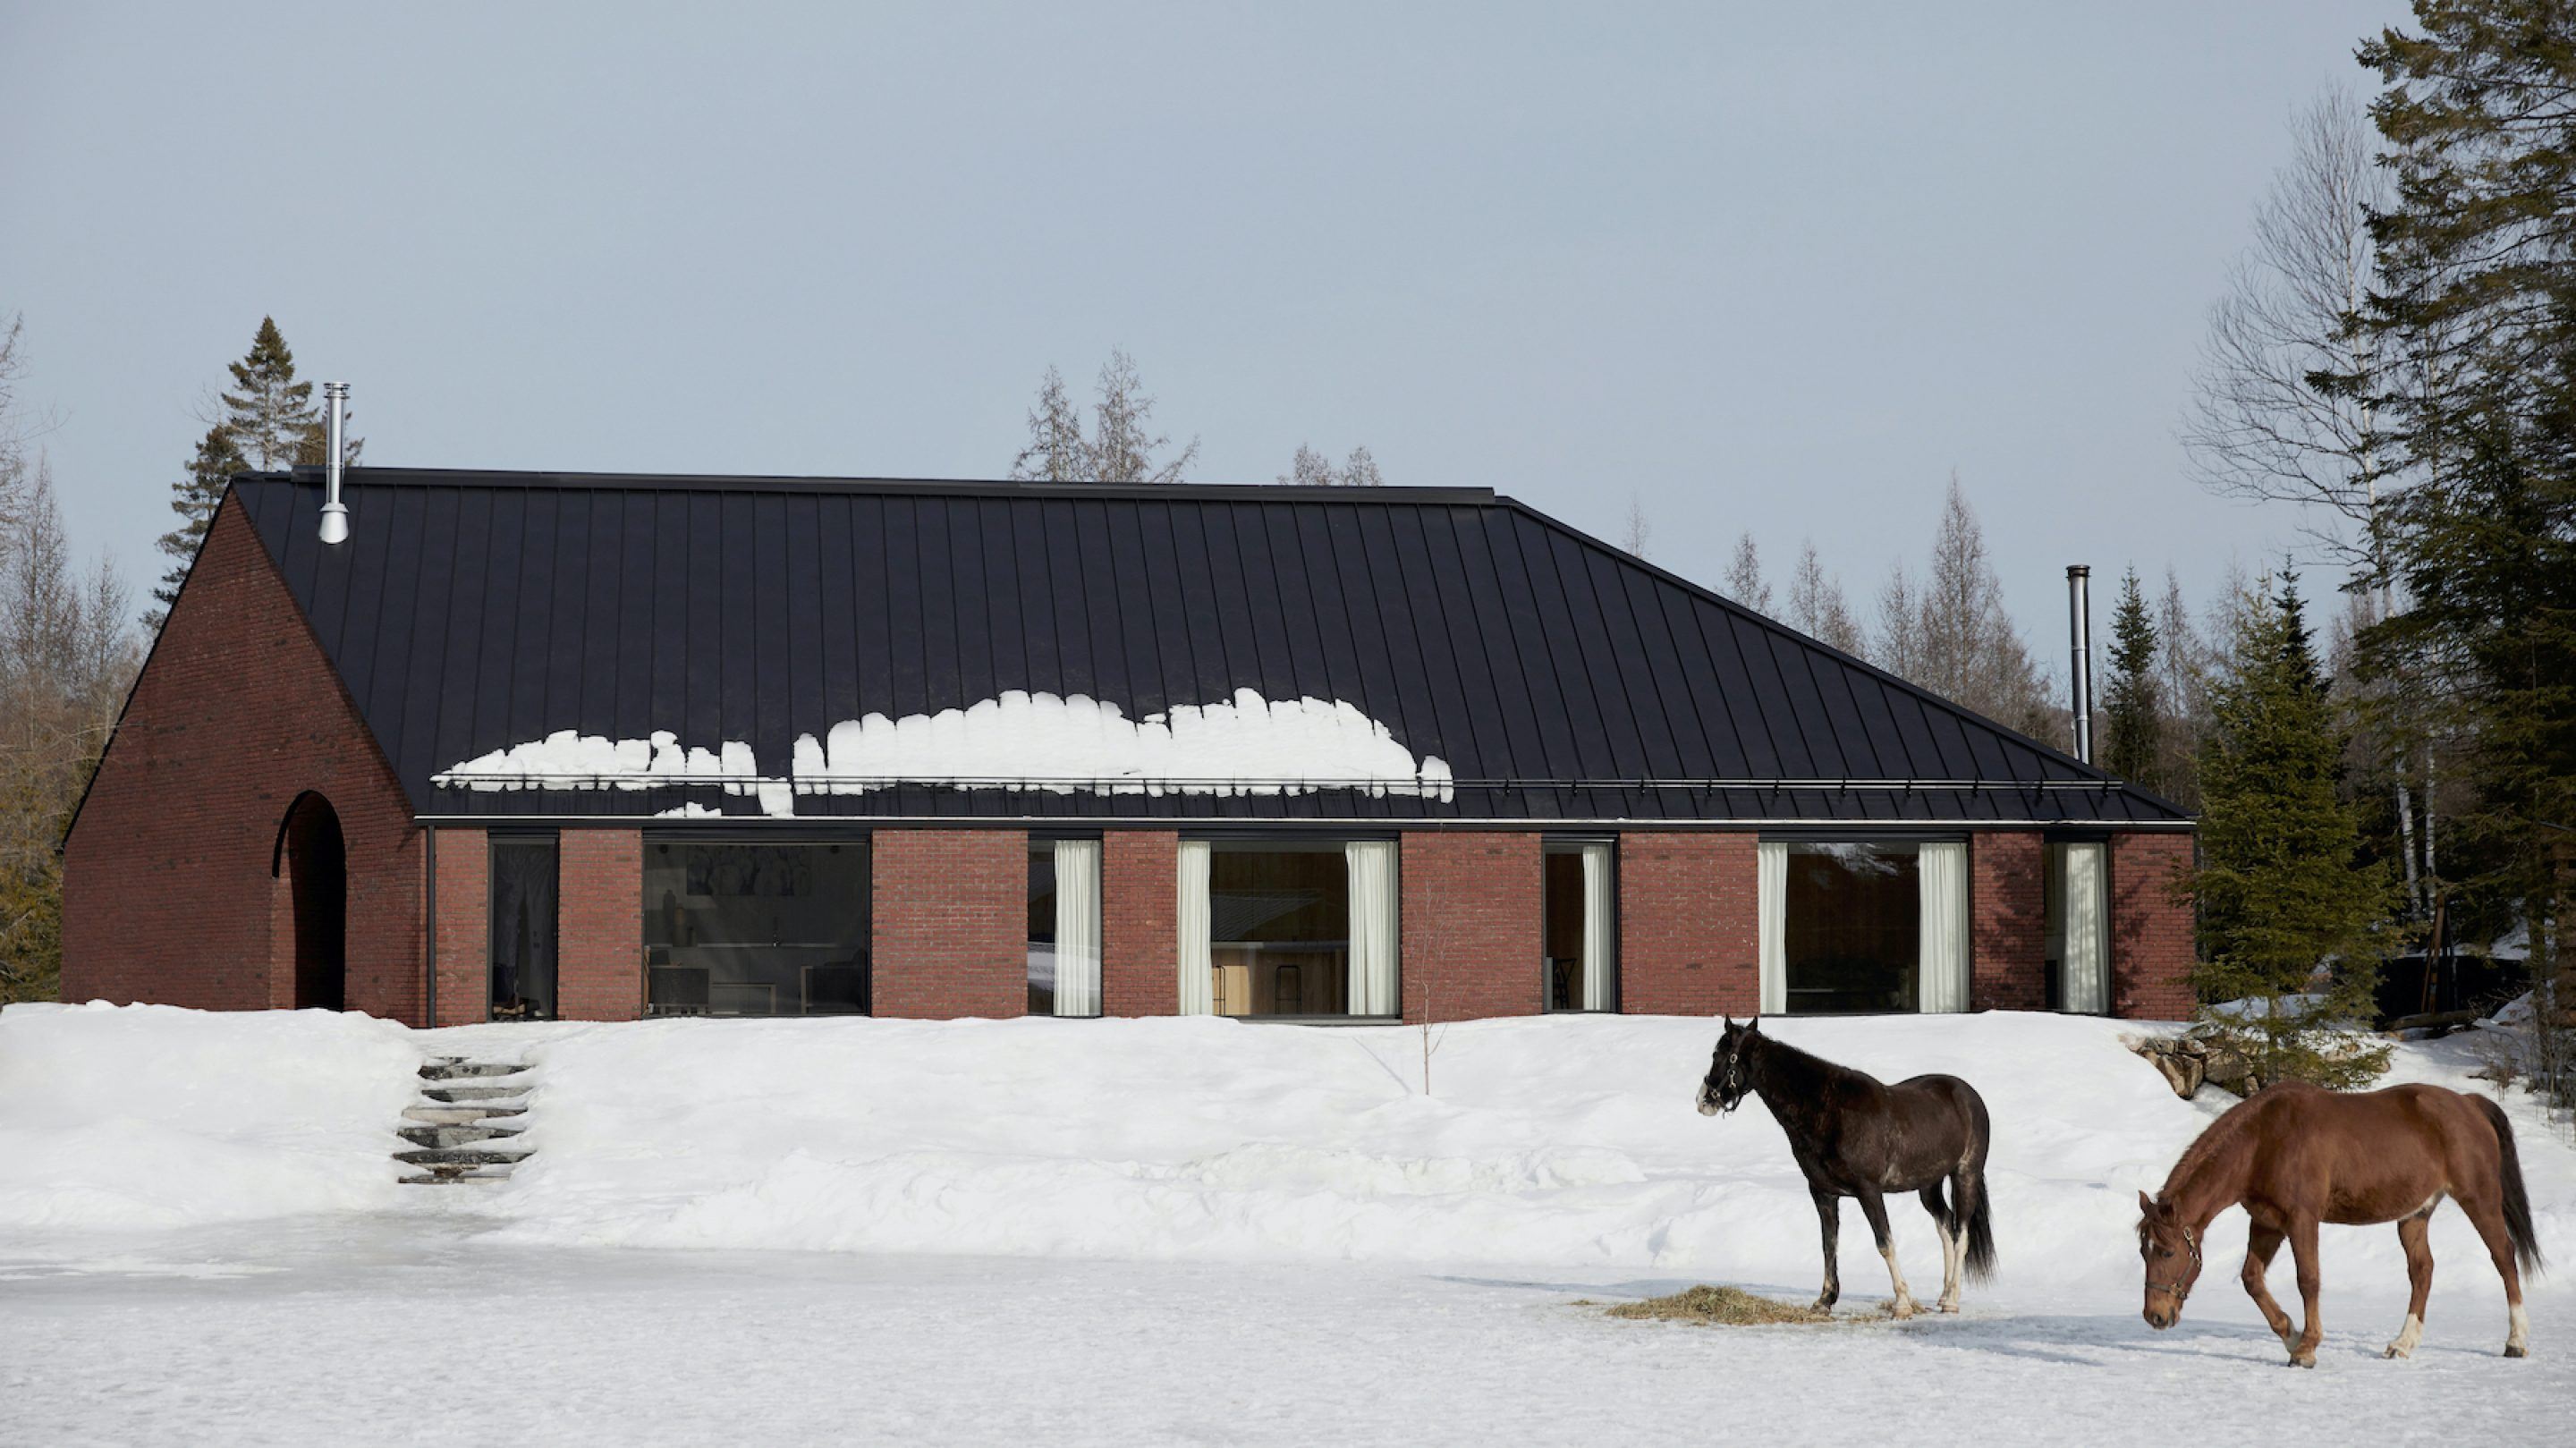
1856 1136
2294 1156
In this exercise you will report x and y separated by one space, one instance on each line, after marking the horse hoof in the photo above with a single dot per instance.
2308 1361
1900 1310
2511 1351
2394 1351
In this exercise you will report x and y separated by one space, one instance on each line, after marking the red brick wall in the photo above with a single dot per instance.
952 919
167 890
1687 924
2009 939
2151 932
1471 920
1140 876
464 926
599 925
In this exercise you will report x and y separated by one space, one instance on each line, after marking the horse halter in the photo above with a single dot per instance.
2182 1291
1731 1085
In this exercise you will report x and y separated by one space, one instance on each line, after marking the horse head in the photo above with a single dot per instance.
1730 1068
2171 1250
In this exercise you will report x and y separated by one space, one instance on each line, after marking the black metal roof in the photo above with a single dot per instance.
1558 677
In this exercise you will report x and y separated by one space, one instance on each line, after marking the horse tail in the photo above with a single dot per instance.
1968 1194
2517 1201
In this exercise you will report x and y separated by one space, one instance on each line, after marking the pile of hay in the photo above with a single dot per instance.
1720 1306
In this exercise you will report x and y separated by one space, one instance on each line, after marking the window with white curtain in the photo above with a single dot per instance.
1852 926
2077 911
1289 927
1581 925
1064 928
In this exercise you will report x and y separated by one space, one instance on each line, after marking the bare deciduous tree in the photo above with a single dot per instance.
1122 446
1817 606
2282 406
1314 470
1639 527
1744 582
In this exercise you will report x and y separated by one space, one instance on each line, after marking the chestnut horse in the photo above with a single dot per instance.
2293 1156
1856 1136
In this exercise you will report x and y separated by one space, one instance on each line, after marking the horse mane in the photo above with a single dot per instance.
1797 1070
2213 1138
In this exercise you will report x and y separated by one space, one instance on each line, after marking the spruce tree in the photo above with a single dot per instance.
270 414
267 421
193 496
2289 913
2132 715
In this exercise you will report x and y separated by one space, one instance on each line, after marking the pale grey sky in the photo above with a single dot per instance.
1776 267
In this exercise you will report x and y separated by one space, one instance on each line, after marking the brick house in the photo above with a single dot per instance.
599 747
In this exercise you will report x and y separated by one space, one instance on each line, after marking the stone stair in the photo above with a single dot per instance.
463 1127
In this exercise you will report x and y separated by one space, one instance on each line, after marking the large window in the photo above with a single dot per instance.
1288 928
1581 903
2078 944
523 928
1064 928
1860 926
745 927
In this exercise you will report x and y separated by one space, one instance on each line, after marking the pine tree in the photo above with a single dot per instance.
193 497
2476 306
2289 914
2132 715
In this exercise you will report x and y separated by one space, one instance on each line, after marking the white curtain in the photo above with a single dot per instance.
1941 963
1373 924
1077 927
2088 953
1198 973
1600 931
1771 919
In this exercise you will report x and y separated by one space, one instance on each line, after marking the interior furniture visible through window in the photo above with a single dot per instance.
2076 897
755 926
1856 926
523 927
1288 927
1580 902
1064 927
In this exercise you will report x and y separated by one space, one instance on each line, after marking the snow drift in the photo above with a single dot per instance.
152 1116
1565 1142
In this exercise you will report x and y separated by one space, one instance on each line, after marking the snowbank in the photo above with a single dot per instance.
1565 1142
152 1116
1568 1141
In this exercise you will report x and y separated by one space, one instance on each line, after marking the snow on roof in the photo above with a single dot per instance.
1248 745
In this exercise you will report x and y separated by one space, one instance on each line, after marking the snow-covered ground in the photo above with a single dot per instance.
1167 1230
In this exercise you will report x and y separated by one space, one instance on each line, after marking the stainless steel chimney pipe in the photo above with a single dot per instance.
2079 626
335 514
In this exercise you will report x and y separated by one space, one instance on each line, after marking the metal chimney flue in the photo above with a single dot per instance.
2079 627
335 514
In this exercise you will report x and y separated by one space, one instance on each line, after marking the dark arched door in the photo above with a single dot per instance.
316 864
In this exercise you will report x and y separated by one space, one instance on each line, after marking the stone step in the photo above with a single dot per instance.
455 1178
460 1115
439 1070
451 1135
472 1093
435 1156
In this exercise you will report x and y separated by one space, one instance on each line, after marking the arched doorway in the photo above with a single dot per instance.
315 864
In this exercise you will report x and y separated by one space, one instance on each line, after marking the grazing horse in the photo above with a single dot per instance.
2293 1156
1855 1136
